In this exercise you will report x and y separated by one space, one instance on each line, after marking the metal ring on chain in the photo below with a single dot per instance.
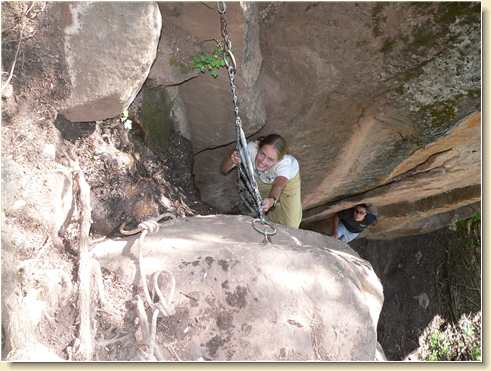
264 223
221 7
231 55
246 172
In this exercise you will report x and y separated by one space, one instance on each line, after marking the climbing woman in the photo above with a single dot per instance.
278 178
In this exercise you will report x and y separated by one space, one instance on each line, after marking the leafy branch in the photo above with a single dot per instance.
209 62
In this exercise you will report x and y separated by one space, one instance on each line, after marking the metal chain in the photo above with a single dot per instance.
246 169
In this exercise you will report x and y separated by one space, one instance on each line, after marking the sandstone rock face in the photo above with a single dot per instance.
203 110
302 297
367 93
426 190
108 50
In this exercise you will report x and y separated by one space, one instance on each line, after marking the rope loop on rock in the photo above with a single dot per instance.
157 302
147 225
151 226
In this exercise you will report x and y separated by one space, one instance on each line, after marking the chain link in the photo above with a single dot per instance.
246 170
241 146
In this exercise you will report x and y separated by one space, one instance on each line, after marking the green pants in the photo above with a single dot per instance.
288 210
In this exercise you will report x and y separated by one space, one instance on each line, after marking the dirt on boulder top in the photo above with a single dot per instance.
129 182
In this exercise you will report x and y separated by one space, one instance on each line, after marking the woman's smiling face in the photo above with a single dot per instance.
266 158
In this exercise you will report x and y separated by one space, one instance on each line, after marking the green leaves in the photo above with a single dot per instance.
210 62
471 229
446 341
439 347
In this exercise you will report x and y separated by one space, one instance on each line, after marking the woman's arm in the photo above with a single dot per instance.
278 185
335 223
231 161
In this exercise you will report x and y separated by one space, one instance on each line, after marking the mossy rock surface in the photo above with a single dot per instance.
157 119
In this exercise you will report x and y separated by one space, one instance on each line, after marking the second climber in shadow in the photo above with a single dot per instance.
348 224
277 174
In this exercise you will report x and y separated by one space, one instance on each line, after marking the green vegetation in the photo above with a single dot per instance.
388 45
424 7
474 93
183 67
442 113
378 18
439 346
439 114
442 341
436 30
411 73
471 229
424 36
157 118
459 339
467 12
446 13
209 62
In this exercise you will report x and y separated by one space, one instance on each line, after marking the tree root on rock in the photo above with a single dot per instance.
154 302
86 347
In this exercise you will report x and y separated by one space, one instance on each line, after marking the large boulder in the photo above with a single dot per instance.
302 297
87 60
108 50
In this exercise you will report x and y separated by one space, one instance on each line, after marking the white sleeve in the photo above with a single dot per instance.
288 167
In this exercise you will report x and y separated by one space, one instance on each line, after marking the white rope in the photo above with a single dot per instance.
162 306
